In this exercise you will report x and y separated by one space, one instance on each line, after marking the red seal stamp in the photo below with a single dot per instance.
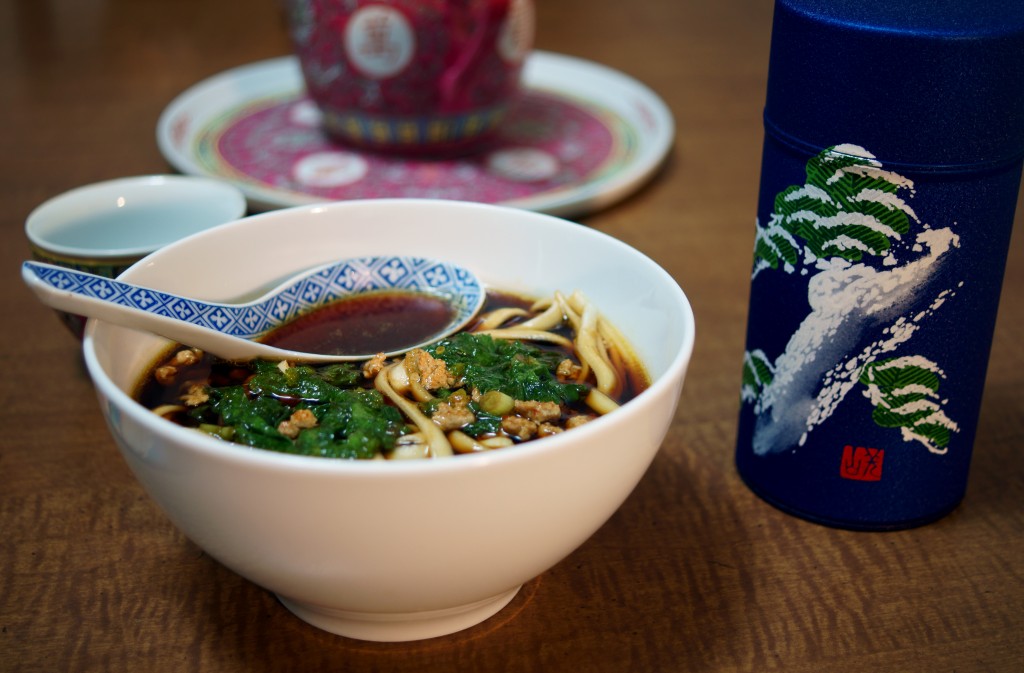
861 463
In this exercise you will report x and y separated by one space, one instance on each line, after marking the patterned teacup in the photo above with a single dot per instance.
106 227
412 76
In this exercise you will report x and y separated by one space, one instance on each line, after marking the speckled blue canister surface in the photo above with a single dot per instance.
894 137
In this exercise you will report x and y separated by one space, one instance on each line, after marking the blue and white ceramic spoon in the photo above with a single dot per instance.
230 331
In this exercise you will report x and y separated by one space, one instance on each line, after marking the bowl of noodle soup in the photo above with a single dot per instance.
393 550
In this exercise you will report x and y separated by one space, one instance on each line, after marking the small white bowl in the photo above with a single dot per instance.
400 550
127 218
105 227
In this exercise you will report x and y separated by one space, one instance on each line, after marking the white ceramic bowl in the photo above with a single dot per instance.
400 550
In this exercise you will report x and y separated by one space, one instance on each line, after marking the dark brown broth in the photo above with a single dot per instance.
374 322
151 394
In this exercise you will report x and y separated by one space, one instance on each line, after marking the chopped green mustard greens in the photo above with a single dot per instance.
518 369
350 422
332 411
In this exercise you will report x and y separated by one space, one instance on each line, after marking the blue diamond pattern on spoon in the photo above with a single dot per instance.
229 331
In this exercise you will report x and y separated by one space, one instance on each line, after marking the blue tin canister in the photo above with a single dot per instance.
894 137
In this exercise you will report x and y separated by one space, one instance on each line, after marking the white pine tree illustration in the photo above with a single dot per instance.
848 211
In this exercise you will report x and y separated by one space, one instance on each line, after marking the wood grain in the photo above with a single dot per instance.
693 573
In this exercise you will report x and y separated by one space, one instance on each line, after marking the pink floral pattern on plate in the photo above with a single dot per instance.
549 144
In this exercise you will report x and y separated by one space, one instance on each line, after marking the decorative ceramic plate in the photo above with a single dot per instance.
582 137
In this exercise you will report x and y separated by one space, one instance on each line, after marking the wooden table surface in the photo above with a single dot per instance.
693 573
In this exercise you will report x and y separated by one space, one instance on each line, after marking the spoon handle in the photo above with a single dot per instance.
57 283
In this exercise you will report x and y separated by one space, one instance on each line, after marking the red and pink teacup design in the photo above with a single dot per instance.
412 76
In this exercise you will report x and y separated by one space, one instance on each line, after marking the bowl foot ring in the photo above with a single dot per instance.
397 627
